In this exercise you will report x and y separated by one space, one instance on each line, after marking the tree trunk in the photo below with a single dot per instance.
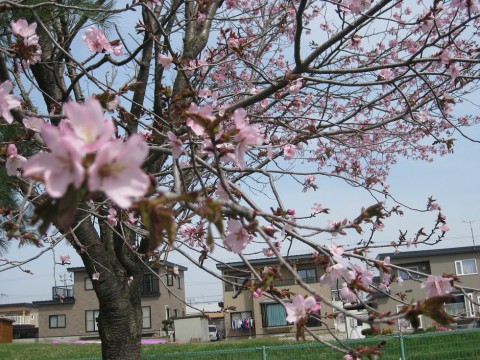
120 327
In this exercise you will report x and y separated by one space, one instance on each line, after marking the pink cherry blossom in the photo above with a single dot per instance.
65 259
176 144
257 293
445 228
96 40
237 238
14 161
21 28
335 250
437 285
289 151
347 295
333 273
175 270
7 101
112 217
295 87
33 123
116 170
268 252
59 168
201 17
205 113
317 208
299 308
363 275
247 135
89 124
165 61
349 357
96 276
114 104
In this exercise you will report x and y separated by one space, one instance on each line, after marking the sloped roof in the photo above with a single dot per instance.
430 252
167 263
266 261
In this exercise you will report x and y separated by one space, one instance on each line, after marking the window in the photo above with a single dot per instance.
179 282
57 321
170 279
273 314
314 320
175 313
466 267
405 275
146 317
88 284
167 312
150 285
336 295
91 322
309 276
237 317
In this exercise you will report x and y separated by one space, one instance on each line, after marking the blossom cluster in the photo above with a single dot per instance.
96 41
26 46
82 150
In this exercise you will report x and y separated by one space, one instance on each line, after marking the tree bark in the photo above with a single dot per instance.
120 325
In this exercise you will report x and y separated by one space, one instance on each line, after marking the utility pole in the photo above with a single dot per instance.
471 230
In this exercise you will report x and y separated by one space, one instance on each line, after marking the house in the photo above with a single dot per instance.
461 262
249 316
72 311
25 319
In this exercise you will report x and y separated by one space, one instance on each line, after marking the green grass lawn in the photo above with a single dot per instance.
459 345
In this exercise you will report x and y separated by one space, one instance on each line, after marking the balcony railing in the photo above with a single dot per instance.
61 293
456 309
19 319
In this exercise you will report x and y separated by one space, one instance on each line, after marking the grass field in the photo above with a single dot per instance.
461 345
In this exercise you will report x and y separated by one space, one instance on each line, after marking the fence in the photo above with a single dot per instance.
459 344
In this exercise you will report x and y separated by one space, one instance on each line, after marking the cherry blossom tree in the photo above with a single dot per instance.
147 136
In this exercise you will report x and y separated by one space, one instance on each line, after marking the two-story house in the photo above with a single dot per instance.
246 315
25 319
73 309
461 262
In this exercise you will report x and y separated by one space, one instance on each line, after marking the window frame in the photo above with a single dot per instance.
460 262
263 311
149 317
169 279
57 316
95 314
87 281
179 282
308 279
153 285
407 276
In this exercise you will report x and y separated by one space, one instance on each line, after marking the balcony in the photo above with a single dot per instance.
60 293
456 309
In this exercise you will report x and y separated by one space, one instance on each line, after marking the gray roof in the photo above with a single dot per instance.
265 261
28 305
167 263
430 252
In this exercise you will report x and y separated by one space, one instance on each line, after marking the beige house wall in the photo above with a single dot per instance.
438 265
170 298
245 302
